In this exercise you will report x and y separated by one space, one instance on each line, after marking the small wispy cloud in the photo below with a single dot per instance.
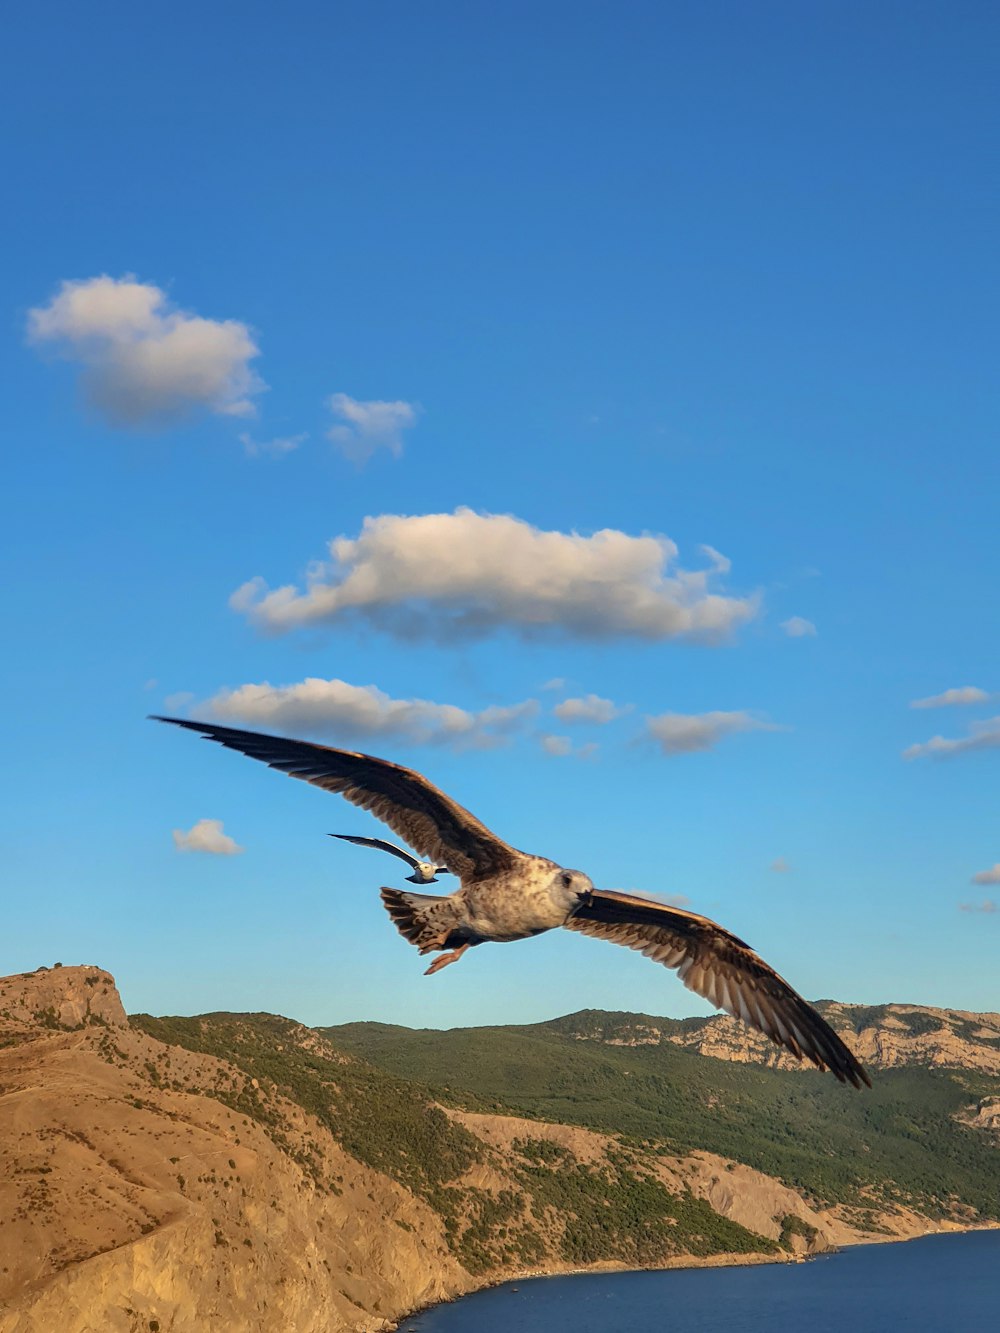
366 427
589 708
982 736
563 747
556 683
960 697
276 448
780 866
686 733
987 906
719 562
987 876
206 836
797 627
143 361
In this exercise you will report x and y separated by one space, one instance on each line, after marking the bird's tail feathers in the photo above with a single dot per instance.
429 921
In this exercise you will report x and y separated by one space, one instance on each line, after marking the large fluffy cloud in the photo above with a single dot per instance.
982 736
684 733
143 361
354 712
464 575
963 695
364 427
206 836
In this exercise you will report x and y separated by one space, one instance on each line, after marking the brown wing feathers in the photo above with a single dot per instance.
429 821
720 967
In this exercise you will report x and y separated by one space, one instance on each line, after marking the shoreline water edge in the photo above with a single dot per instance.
685 1262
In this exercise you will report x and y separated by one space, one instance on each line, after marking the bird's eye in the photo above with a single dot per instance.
567 879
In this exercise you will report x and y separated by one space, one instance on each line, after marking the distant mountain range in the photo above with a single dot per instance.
241 1171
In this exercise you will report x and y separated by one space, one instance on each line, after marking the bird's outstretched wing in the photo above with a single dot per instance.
722 969
424 817
381 845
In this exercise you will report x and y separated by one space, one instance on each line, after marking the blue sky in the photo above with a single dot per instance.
702 275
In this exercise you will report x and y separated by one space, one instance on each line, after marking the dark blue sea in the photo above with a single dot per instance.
939 1284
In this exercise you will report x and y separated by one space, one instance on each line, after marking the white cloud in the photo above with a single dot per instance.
987 905
335 708
206 836
556 683
797 627
780 866
276 448
365 427
683 733
982 736
562 746
964 694
591 708
987 876
144 362
465 575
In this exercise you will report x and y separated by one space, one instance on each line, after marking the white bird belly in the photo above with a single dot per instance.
513 911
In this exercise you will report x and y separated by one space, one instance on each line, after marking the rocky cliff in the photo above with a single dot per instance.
887 1036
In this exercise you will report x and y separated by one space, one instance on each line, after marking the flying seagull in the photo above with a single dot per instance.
424 872
510 895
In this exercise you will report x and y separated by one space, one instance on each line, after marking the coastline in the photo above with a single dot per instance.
681 1262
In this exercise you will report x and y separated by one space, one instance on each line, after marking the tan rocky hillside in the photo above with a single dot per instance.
132 1200
156 1186
883 1037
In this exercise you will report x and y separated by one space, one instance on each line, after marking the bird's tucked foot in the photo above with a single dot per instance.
433 943
445 959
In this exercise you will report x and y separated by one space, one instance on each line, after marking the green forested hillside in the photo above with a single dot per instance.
899 1141
395 1098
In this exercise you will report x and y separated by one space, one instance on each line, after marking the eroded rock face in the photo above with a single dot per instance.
985 1115
62 997
883 1037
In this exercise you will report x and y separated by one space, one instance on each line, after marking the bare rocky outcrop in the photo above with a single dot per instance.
62 997
883 1037
984 1115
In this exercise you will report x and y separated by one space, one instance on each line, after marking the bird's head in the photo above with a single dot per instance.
424 874
569 886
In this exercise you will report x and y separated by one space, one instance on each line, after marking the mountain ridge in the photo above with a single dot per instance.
247 1170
